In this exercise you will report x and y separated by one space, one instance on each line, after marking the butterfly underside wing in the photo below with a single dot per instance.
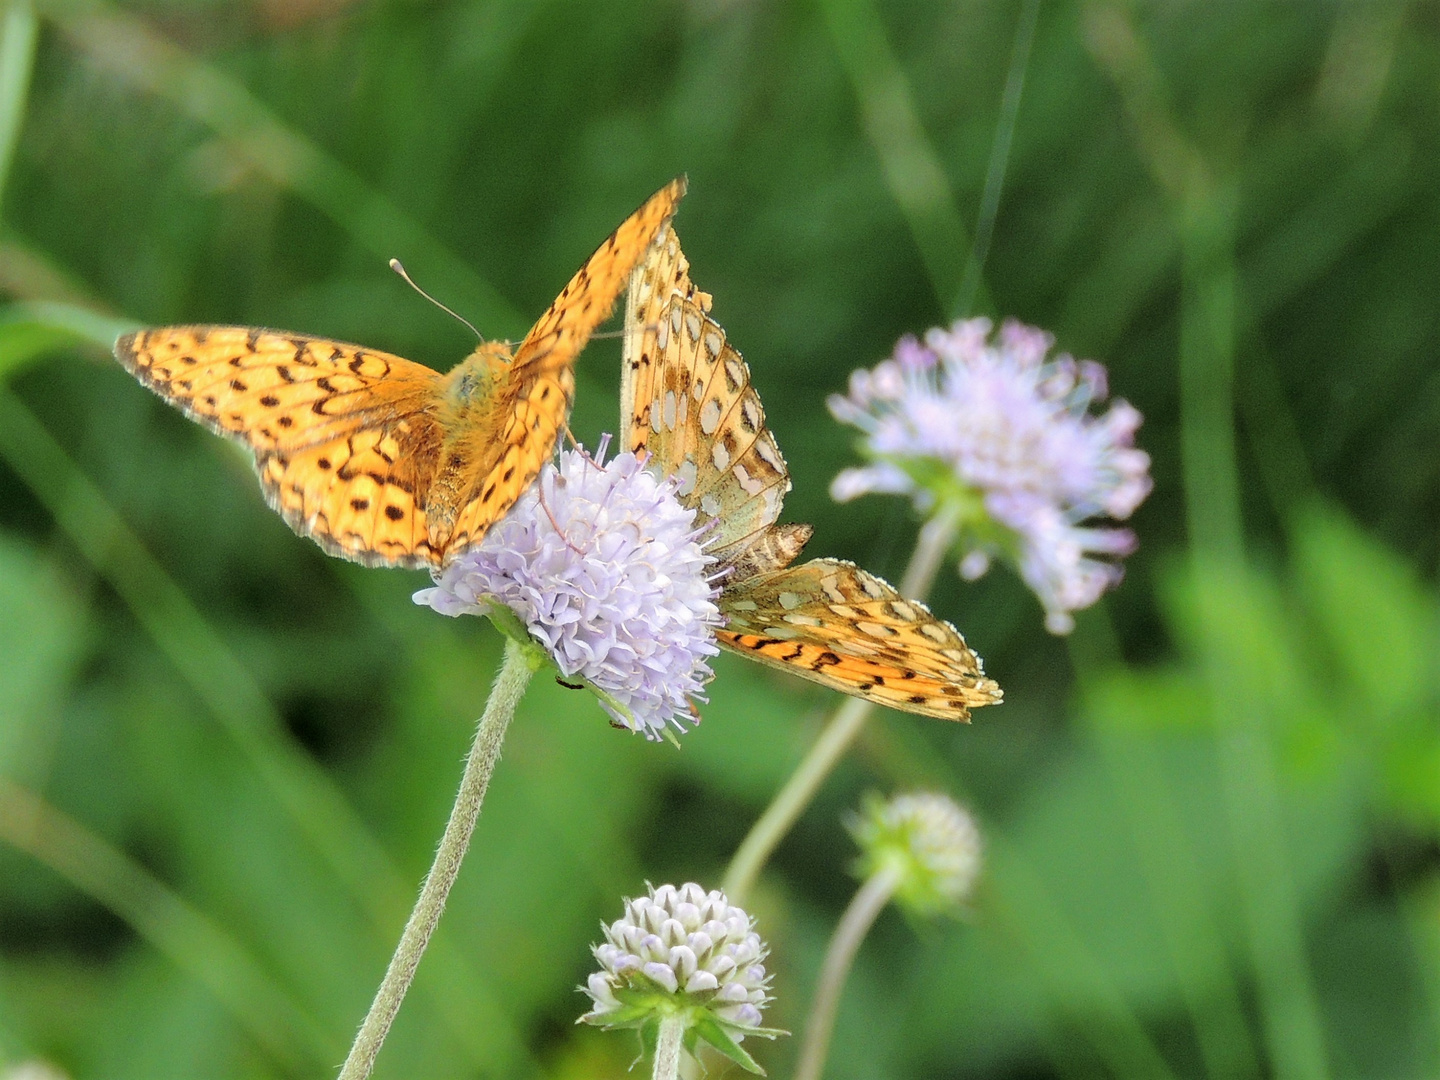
687 401
379 459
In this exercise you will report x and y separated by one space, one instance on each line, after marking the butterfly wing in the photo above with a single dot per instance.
538 388
345 438
704 423
687 400
663 273
833 623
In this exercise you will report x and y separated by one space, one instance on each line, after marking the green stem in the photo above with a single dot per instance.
668 1046
866 906
790 802
19 31
509 685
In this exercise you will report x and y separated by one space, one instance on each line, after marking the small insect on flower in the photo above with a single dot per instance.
601 567
683 953
926 842
687 403
1001 439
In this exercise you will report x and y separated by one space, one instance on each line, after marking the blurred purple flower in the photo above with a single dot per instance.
606 571
1002 437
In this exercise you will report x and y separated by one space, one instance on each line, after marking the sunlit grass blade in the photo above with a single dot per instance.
999 159
19 31
1073 978
1168 860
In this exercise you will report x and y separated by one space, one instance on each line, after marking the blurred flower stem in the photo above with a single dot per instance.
515 671
869 900
936 537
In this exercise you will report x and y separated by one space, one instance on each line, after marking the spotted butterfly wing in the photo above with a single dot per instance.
379 459
344 437
662 274
688 401
833 623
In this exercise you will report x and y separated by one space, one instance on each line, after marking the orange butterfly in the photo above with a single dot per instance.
380 459
686 400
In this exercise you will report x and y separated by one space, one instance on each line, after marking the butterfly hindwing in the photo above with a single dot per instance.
833 623
343 436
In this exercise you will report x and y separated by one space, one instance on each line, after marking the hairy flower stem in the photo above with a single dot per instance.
869 901
510 684
668 1046
936 537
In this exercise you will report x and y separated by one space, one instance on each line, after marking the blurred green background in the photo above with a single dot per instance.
1213 814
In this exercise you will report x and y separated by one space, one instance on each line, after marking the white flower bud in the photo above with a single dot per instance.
682 952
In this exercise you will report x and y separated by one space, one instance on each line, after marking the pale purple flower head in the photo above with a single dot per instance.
997 433
605 569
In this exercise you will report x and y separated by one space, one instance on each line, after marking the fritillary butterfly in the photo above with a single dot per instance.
687 401
380 459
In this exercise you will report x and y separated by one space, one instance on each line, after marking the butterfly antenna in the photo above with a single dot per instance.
399 269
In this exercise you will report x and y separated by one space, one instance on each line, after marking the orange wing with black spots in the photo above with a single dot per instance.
379 459
345 438
687 400
833 623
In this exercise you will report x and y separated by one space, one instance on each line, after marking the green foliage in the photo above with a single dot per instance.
1210 836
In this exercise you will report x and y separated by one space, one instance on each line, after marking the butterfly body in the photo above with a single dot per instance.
379 459
687 402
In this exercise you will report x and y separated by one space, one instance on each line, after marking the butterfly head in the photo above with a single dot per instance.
475 377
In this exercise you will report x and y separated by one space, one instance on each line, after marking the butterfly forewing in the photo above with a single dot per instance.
831 622
589 297
664 273
343 436
704 423
532 428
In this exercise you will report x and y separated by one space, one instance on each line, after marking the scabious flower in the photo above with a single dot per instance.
927 843
604 569
996 434
683 952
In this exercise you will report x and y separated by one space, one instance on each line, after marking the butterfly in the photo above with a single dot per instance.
687 401
379 459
